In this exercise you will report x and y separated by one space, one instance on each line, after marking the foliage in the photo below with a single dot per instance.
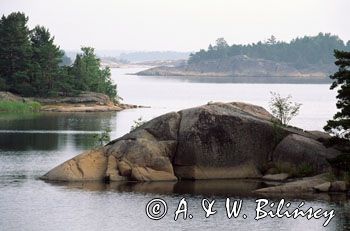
104 137
299 52
31 64
46 57
302 170
17 106
88 76
283 108
279 133
340 125
15 53
137 123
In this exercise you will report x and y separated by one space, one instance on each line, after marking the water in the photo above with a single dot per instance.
31 145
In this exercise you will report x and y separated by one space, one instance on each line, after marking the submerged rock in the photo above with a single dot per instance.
218 140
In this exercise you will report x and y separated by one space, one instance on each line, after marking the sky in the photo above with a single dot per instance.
180 25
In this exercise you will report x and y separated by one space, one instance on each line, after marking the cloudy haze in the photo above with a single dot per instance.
183 25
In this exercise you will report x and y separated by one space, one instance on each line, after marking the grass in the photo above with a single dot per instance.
302 170
21 107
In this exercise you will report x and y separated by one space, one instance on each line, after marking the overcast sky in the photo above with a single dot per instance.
183 25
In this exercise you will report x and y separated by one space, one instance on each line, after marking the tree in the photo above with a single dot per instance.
340 125
272 40
300 52
283 108
46 59
15 53
221 44
89 76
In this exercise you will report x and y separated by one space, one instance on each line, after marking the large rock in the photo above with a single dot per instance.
224 139
82 98
7 96
90 165
218 140
302 155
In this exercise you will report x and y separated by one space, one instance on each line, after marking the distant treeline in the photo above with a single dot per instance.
300 52
32 65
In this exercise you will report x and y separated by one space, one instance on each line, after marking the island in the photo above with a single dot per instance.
309 57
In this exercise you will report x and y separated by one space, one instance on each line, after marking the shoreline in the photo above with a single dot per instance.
84 102
87 107
243 79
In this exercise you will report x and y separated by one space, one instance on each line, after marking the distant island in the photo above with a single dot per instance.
306 57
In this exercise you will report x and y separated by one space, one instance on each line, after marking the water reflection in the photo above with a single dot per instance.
57 121
242 188
52 131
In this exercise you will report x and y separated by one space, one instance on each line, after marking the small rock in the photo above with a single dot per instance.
338 186
322 187
298 186
276 177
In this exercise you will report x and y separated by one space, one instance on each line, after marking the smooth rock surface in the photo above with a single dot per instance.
213 141
322 187
296 150
90 165
224 136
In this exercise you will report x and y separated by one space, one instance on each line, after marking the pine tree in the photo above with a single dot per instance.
15 53
89 76
340 125
46 58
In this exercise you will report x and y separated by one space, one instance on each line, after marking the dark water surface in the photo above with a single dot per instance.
30 145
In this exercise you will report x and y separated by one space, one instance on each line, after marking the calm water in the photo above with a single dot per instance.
31 145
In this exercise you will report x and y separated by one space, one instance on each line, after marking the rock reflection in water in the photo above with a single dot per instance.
198 187
242 188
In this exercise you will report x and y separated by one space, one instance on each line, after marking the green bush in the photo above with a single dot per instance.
302 170
16 106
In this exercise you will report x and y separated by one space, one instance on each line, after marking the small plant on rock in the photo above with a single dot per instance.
283 108
103 138
137 123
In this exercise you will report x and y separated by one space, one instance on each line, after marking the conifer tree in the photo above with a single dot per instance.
15 53
340 125
46 58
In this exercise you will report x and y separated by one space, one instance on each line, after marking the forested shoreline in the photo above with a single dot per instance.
299 52
31 64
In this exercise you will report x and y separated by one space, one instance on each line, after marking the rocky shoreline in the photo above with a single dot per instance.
84 102
241 66
211 142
